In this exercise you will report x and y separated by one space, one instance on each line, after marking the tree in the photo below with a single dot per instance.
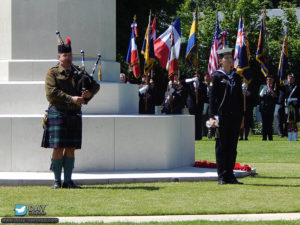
229 13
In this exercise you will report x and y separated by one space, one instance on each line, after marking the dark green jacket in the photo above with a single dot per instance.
60 87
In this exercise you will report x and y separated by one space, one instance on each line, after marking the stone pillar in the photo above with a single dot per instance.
28 43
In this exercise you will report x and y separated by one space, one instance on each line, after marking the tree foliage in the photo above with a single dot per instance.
229 12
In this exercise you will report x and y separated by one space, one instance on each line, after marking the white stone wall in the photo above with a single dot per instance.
114 136
110 142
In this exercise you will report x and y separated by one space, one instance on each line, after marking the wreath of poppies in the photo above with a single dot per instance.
206 164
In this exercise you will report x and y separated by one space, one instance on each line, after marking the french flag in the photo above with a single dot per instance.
132 55
162 44
172 64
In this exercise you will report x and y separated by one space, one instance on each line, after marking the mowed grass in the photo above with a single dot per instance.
276 188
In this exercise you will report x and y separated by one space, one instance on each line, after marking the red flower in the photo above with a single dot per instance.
206 164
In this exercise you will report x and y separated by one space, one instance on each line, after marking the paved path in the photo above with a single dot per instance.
172 218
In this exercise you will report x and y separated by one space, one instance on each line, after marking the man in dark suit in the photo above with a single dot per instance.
281 115
268 99
196 97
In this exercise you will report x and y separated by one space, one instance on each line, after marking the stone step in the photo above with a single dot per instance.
20 97
182 174
110 142
35 70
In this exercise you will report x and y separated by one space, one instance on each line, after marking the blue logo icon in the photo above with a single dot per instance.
20 210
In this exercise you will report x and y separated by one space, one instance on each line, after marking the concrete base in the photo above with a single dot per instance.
109 143
29 98
184 174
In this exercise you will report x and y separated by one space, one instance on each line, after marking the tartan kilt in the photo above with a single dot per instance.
63 129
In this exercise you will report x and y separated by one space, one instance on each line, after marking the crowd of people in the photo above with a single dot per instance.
191 96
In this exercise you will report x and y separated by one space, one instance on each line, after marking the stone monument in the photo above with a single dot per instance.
115 137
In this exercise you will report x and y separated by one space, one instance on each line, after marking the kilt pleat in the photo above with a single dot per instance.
63 129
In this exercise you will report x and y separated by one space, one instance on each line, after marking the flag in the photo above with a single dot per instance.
262 53
242 53
162 44
283 63
224 41
172 64
216 45
132 55
148 48
191 50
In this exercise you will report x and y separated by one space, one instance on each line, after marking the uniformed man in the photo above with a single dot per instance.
205 130
268 99
173 102
63 128
292 104
147 97
281 115
248 114
195 104
225 112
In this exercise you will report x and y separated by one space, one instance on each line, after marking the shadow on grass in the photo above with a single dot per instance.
274 185
266 177
122 188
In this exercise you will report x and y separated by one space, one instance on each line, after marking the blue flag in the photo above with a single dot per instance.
242 53
148 47
262 53
283 63
191 50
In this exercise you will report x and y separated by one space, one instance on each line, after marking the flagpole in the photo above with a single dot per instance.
172 80
197 71
147 75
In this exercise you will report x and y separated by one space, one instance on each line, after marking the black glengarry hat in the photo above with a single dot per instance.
61 46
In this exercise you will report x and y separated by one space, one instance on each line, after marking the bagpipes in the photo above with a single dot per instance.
85 80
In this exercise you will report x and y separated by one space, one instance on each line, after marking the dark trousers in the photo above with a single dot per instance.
198 122
267 122
247 130
226 145
281 117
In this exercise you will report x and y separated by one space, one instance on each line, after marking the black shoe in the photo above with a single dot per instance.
241 139
246 139
235 181
222 182
56 185
70 184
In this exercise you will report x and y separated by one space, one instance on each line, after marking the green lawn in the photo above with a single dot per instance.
276 188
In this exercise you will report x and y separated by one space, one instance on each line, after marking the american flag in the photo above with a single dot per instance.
216 45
